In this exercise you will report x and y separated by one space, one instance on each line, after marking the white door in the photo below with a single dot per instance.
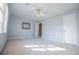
70 30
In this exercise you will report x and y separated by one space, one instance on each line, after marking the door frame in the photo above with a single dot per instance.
37 29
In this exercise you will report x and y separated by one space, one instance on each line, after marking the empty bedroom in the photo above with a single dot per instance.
39 29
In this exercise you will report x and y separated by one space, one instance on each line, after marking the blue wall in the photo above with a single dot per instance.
15 30
53 27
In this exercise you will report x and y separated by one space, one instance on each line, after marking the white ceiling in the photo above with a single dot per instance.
27 10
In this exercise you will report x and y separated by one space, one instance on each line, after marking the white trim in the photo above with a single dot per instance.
19 38
14 38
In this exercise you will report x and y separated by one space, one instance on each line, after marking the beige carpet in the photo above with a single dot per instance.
38 47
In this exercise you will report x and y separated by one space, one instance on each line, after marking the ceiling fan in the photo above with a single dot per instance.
39 12
38 9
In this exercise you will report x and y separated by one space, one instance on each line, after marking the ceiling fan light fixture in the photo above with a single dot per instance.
39 12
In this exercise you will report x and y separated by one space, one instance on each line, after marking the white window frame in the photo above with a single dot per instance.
1 20
5 19
4 10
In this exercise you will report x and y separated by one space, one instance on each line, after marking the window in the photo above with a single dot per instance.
1 6
6 20
3 18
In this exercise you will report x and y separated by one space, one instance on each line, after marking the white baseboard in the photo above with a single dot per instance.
19 38
11 38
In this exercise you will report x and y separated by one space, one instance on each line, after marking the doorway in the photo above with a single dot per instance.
40 30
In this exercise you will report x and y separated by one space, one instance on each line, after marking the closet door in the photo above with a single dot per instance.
70 28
